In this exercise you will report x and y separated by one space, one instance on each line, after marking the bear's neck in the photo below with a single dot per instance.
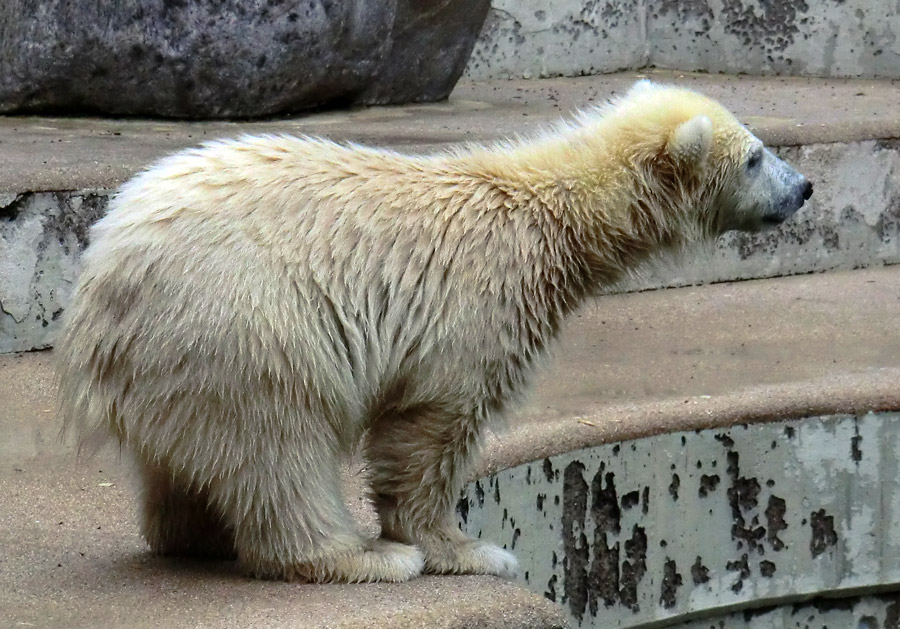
598 219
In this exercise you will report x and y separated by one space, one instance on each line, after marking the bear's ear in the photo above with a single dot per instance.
689 144
640 86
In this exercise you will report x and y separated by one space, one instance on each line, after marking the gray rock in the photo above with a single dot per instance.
430 46
229 58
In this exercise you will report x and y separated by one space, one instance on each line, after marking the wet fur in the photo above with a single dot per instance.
251 310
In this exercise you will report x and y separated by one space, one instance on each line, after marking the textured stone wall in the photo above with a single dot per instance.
698 524
536 38
574 37
229 58
42 235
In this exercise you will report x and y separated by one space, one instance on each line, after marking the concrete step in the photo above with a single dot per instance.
667 375
56 175
73 560
45 154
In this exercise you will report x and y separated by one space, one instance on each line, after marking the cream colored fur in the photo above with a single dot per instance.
250 311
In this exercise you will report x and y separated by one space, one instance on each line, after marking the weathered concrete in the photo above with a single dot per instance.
847 38
534 38
49 167
529 38
682 525
42 235
711 356
718 340
856 612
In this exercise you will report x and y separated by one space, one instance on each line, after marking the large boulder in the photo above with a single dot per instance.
229 58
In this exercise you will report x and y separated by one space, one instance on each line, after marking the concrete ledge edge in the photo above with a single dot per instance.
860 393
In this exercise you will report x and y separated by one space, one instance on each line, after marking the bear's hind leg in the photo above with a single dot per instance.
291 522
418 461
179 521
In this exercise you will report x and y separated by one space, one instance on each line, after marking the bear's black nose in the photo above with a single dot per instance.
807 191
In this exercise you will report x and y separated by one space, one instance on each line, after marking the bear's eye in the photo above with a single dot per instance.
754 159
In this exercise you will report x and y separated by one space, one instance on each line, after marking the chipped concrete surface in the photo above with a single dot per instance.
846 38
697 524
856 612
536 38
42 235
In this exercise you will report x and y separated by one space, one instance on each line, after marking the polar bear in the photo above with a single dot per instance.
252 311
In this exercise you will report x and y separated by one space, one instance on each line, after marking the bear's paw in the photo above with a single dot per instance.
380 560
472 557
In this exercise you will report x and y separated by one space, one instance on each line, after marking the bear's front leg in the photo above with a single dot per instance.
418 461
291 522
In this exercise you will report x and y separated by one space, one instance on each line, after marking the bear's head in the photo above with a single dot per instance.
693 156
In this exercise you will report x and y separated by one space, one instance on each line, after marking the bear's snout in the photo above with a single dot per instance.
798 193
804 192
807 190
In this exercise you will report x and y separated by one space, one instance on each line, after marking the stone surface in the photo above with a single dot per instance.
570 38
880 611
536 38
42 235
229 59
709 356
694 524
429 47
847 38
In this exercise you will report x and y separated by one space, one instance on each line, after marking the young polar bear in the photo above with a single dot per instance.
250 311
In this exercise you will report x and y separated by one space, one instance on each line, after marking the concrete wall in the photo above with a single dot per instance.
682 526
531 38
536 38
42 235
852 221
854 612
